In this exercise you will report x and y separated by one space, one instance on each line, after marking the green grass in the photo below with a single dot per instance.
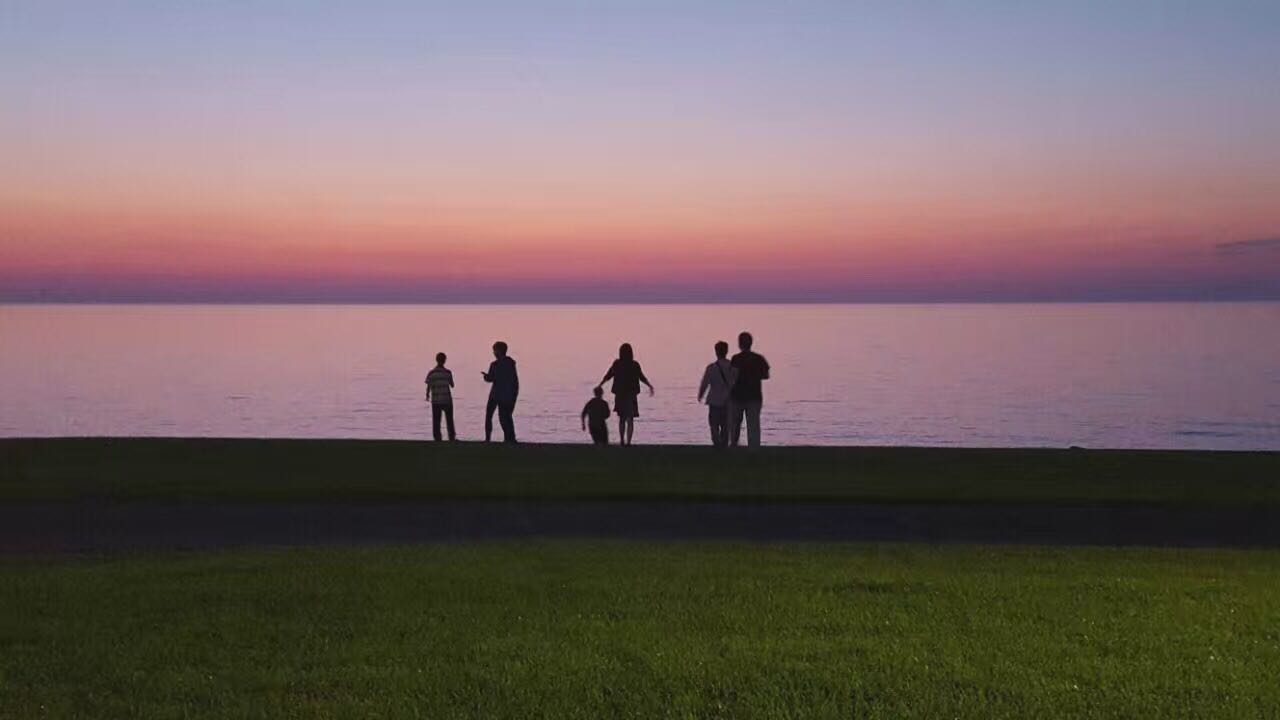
590 630
354 471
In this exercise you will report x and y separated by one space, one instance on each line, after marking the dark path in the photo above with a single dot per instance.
91 527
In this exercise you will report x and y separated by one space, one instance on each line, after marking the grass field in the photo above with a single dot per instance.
355 471
589 630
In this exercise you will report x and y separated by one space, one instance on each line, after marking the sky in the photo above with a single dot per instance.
624 151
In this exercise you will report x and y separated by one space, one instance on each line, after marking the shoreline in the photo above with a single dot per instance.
125 494
586 443
364 471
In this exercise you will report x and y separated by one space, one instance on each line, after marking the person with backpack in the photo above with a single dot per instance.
717 381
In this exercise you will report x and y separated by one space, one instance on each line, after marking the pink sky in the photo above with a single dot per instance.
286 157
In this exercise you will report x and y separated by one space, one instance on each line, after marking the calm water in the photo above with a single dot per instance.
1107 375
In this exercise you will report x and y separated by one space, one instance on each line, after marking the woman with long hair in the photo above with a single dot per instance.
627 376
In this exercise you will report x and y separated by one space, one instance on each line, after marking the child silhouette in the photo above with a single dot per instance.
595 417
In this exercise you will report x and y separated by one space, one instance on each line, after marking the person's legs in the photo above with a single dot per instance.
448 417
753 424
505 410
622 431
718 419
631 429
436 409
600 434
735 423
488 419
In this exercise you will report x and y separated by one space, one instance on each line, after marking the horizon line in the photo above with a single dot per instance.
571 303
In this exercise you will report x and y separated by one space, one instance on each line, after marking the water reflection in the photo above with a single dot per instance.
1116 375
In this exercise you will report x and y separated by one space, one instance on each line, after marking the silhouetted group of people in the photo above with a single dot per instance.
731 387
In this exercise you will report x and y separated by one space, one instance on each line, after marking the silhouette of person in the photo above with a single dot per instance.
440 393
597 412
717 381
503 393
746 397
627 376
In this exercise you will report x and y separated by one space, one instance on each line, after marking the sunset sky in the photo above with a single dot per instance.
632 151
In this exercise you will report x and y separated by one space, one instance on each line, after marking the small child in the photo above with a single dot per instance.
439 392
597 412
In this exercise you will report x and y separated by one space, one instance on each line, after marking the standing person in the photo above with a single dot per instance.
717 381
503 394
440 393
627 376
597 412
746 397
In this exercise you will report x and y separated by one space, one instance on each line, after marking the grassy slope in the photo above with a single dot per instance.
341 471
586 630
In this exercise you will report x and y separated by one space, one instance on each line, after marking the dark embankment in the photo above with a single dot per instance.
347 471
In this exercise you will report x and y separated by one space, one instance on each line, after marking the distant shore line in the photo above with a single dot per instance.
776 446
614 303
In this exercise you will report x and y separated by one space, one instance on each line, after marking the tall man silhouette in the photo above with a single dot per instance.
746 397
504 390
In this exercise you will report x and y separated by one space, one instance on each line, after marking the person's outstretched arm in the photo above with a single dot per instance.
645 380
705 384
607 377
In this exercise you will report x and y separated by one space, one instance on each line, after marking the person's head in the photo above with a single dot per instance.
440 358
722 349
499 349
626 353
744 341
598 392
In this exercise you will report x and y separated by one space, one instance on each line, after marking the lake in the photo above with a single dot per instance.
1164 375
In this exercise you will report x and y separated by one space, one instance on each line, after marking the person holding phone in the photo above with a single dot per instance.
504 390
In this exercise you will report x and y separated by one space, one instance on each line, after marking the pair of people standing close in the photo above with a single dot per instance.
734 393
504 390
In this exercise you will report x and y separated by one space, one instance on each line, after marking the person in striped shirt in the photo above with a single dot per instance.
440 393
